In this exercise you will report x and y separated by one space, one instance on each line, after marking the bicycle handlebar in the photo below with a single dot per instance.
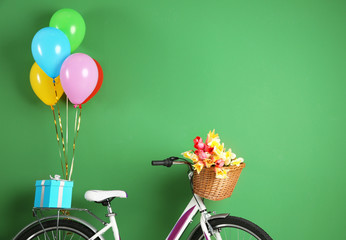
168 162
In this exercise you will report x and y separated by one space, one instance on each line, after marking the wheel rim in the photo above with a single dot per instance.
63 233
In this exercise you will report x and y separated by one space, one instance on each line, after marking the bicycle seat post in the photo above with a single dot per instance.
111 215
107 203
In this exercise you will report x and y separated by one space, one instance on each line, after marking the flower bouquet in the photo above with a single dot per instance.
216 170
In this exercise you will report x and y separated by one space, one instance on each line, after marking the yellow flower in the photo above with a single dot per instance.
233 156
212 137
218 150
214 143
228 157
237 161
221 173
198 166
190 155
187 154
209 162
212 134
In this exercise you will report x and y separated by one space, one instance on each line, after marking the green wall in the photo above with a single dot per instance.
269 76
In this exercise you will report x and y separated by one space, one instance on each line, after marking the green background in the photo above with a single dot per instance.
269 76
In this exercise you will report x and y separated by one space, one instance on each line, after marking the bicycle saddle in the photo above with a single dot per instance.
101 196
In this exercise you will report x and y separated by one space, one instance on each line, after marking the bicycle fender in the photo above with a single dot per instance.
217 216
60 217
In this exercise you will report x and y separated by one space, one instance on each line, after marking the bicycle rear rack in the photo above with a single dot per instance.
63 213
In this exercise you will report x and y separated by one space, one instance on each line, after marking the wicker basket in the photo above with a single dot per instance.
206 185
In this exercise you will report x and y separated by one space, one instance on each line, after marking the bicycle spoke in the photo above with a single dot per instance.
224 236
228 233
64 230
59 235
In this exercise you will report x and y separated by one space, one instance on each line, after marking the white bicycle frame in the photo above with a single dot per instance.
196 204
112 224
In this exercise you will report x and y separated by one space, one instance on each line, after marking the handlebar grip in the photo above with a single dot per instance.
167 163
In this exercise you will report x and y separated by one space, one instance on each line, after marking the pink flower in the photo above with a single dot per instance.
208 148
219 163
201 154
199 145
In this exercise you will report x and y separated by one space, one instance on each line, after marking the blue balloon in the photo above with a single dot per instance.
50 47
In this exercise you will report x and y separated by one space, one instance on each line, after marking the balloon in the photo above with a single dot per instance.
99 82
71 23
50 47
78 75
43 86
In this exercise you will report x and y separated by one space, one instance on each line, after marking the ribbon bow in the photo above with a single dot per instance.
56 177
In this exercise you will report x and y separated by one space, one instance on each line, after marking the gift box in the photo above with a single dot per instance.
53 193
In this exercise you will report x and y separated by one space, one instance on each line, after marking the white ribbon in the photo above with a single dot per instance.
42 193
61 188
56 177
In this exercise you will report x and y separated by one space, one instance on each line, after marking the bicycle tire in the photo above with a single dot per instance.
52 228
239 226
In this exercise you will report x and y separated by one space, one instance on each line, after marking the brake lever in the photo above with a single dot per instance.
172 158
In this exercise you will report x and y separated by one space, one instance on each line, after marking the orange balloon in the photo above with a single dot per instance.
43 86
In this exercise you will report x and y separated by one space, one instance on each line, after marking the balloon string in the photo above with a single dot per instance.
63 142
75 138
57 138
66 126
61 132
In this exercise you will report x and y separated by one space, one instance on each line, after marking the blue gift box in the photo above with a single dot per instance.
53 193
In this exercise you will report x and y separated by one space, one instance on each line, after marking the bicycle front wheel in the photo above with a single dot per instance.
234 228
54 230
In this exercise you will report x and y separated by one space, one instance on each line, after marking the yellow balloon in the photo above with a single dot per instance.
43 86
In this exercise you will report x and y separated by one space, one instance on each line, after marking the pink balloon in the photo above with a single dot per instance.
78 76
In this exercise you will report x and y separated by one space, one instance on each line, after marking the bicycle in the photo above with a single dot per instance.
66 226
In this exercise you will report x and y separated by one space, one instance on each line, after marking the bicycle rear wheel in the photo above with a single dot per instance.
233 228
53 230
